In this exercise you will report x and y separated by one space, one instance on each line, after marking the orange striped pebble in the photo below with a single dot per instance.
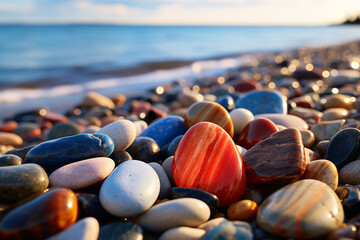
324 171
244 210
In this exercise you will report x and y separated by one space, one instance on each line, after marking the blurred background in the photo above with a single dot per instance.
59 48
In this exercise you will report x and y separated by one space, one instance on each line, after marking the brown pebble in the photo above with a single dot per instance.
324 171
308 138
10 139
334 114
243 210
322 146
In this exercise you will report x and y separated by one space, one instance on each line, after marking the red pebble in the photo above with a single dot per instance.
207 159
246 85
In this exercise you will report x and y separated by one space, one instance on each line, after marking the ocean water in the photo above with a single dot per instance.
38 62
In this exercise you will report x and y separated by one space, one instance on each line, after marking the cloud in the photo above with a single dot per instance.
16 8
102 8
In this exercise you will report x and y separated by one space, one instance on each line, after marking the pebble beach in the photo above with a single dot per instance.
266 150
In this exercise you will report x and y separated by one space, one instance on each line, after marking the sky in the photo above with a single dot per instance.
179 12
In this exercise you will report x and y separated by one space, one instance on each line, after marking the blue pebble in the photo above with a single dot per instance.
227 102
173 145
165 130
56 153
262 101
230 230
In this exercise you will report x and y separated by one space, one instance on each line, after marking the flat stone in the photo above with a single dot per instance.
84 229
230 230
262 101
326 129
187 212
41 217
277 160
335 114
56 153
122 132
243 210
82 174
20 181
144 149
306 113
288 121
94 99
179 233
62 130
350 173
121 231
240 117
165 184
131 189
210 112
344 147
10 160
201 151
10 139
304 209
324 171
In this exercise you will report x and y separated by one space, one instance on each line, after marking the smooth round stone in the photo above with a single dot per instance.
324 171
262 101
306 113
322 146
327 129
227 102
245 85
84 229
350 199
343 147
276 161
213 223
120 157
82 174
42 217
187 98
187 212
209 112
94 99
62 130
140 126
165 130
56 153
165 184
10 139
121 231
244 210
240 118
131 189
10 160
196 164
346 232
304 209
8 126
25 128
308 138
311 155
20 181
180 233
256 131
122 132
252 195
54 117
167 165
173 145
91 129
335 114
210 199
20 152
230 230
338 101
288 121
350 173
144 149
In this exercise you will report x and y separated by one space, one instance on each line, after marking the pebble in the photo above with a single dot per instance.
322 146
213 223
350 199
230 230
20 181
324 171
173 145
122 132
10 160
262 101
243 210
337 101
10 139
187 98
187 212
240 118
335 114
210 112
350 173
120 157
165 184
181 233
131 189
167 165
121 231
288 121
201 151
84 229
144 149
306 113
227 102
82 174
94 99
140 126
326 129
56 153
308 138
62 130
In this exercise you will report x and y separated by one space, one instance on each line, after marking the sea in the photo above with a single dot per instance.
40 64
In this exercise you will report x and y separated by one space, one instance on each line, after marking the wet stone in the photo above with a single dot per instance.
121 231
243 210
326 129
230 230
350 173
144 149
10 159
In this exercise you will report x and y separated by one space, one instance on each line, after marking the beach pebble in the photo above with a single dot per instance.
24 128
140 126
241 150
240 117
246 85
187 212
350 199
322 146
84 229
91 129
210 112
350 173
204 147
121 231
252 195
181 233
227 102
288 121
122 132
173 145
324 171
10 160
167 165
8 126
326 129
307 137
335 114
10 139
41 217
165 130
20 181
54 117
165 184
311 155
256 131
306 113
262 101
243 210
344 147
213 223
337 101
345 232
311 204
187 98
277 160
82 174
62 130
21 152
94 99
230 230
131 189
120 157
144 149
56 153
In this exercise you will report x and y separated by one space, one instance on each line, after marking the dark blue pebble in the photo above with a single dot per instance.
121 231
230 230
144 149
120 157
227 102
173 145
